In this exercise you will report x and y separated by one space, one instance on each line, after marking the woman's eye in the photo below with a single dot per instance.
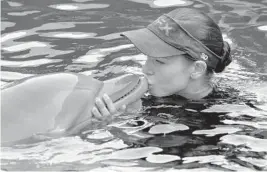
161 62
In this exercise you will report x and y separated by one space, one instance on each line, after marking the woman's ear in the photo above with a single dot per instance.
199 69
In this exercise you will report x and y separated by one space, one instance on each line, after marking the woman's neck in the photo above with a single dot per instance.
196 90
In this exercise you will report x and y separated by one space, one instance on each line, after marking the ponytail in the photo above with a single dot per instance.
226 58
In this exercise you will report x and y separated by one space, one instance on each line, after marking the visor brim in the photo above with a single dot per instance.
151 45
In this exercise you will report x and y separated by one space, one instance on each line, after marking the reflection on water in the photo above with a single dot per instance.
22 13
29 63
263 28
78 6
226 133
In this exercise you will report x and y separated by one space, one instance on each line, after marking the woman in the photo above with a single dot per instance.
184 48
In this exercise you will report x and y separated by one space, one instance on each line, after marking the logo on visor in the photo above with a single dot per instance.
204 56
164 26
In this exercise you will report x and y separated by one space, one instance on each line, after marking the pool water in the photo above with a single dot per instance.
225 133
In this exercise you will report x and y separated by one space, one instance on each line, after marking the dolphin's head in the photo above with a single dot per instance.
73 97
125 89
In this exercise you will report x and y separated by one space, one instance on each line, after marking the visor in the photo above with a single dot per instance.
165 37
150 44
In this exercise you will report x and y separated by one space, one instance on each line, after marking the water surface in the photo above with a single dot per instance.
228 133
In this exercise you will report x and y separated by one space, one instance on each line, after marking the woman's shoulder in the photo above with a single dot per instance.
220 94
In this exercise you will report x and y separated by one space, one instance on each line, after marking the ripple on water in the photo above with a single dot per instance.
218 130
71 35
61 25
216 160
194 170
120 163
110 36
6 24
221 108
89 72
73 6
162 158
167 128
126 154
256 124
96 55
47 26
100 135
166 3
255 161
28 63
254 144
123 169
118 69
12 76
134 153
140 58
238 73
35 49
213 159
24 46
263 28
24 13
13 35
14 4
236 167
82 0
55 26
71 149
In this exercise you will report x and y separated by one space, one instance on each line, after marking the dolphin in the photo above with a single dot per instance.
59 104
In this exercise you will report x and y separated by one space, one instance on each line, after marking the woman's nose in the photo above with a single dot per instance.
147 68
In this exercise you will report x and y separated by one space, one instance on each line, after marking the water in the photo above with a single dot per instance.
82 36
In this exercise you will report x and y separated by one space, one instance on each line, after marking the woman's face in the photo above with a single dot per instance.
168 75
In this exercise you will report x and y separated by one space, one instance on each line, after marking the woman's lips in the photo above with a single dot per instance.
149 86
149 83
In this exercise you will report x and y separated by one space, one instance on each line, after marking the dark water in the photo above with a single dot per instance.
227 133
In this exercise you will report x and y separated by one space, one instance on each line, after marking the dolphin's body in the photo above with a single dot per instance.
57 105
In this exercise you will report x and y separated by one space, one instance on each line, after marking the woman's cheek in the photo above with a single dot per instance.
180 83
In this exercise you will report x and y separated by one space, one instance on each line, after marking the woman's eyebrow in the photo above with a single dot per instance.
165 58
162 58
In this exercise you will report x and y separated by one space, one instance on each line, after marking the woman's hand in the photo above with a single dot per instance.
104 108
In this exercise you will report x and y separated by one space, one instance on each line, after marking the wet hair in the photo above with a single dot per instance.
207 32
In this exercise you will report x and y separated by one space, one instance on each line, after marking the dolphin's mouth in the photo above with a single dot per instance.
129 92
125 89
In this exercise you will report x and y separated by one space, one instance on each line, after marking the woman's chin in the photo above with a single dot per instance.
156 93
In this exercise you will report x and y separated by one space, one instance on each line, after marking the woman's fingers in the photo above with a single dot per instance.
102 107
109 104
96 113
